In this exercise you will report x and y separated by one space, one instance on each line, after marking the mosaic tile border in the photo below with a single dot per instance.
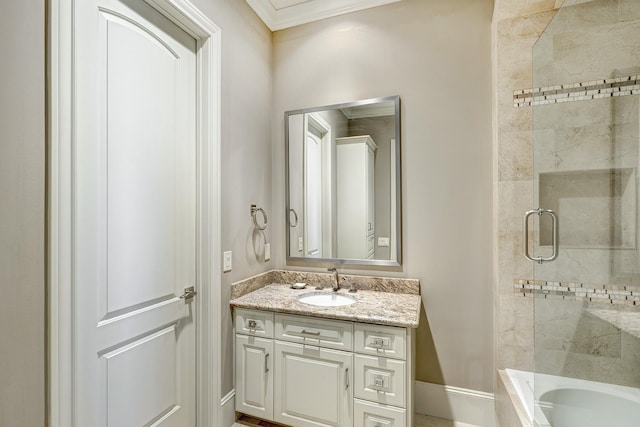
572 291
583 91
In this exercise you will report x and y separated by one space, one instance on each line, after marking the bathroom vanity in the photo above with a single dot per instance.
304 365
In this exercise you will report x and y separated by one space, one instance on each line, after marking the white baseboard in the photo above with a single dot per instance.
454 403
228 409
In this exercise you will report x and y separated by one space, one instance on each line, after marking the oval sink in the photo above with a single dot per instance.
325 299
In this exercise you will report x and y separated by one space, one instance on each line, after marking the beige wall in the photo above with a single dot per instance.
245 151
437 56
22 214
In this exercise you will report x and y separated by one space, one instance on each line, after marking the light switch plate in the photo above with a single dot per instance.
383 241
227 263
267 252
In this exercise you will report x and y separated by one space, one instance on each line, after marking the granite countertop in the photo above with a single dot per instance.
384 308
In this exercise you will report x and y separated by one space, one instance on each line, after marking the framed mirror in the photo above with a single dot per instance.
343 183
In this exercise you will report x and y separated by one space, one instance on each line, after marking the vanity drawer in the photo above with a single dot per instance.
254 322
380 380
327 333
367 414
378 340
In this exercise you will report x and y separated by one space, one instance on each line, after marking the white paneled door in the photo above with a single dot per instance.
135 217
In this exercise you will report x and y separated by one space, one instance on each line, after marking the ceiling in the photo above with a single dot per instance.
281 14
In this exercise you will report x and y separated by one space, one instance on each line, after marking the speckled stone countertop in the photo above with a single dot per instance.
384 308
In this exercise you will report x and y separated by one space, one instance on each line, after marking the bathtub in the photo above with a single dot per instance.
568 402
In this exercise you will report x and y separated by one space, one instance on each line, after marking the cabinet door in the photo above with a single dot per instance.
313 386
254 376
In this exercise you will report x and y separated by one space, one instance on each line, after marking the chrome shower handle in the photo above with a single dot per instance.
554 227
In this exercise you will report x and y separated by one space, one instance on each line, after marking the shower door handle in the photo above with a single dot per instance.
554 231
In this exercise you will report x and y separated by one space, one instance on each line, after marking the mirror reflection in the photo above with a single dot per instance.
343 182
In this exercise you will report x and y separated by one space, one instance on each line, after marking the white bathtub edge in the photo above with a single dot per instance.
518 404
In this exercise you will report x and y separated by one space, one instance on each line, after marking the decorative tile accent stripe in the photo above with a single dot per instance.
583 91
572 291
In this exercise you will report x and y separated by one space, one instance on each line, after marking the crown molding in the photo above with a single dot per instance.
308 11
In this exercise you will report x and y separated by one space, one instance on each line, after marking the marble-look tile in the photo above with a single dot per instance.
517 8
566 326
385 308
605 210
514 199
583 366
631 347
512 119
622 110
625 319
515 334
602 143
586 42
517 327
628 10
515 40
587 266
515 156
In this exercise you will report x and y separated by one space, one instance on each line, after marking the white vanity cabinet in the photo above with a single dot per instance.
310 372
355 166
254 363
313 386
383 386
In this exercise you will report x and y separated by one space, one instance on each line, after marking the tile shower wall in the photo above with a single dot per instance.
586 157
517 26
571 339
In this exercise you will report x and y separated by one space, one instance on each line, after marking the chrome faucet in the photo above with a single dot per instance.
336 285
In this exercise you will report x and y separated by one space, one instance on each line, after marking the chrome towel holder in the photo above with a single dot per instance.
254 213
295 215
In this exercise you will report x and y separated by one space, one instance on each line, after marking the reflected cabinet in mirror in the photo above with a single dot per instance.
343 183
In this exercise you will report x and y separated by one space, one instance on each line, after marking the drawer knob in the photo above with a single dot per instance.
379 382
252 324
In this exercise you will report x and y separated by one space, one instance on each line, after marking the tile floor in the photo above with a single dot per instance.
420 421
425 421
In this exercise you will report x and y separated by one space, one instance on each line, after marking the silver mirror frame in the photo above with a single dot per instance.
353 263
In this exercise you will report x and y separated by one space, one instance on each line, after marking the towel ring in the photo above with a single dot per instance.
254 211
295 215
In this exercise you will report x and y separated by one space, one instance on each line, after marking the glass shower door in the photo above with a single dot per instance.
586 117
